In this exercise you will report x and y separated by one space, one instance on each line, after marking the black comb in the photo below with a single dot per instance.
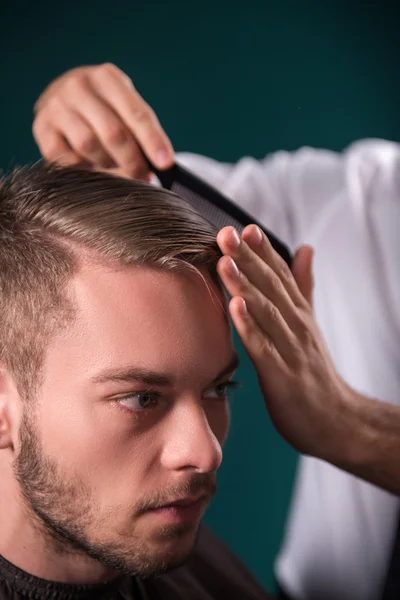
213 205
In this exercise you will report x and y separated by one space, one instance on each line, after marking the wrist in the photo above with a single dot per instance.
356 443
364 439
351 435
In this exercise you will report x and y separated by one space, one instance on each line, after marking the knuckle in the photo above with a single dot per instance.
110 71
266 347
77 81
141 113
285 273
272 312
86 143
53 105
304 333
107 69
115 135
275 284
136 169
127 80
50 151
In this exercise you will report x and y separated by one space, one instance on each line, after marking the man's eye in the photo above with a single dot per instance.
222 390
140 400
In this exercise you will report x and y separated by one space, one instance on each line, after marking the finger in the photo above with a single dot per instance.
120 172
137 115
81 138
111 131
53 146
265 314
260 244
260 274
257 345
302 271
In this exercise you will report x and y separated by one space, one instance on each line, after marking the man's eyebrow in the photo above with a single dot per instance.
230 367
133 374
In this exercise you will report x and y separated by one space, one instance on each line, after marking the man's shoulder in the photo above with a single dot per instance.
212 572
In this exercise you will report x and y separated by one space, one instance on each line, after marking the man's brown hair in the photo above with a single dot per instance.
49 217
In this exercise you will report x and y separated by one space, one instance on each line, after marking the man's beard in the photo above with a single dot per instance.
64 512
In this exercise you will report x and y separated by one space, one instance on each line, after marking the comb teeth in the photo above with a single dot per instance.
212 213
214 206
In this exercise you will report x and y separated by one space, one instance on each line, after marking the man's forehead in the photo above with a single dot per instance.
158 320
93 269
97 284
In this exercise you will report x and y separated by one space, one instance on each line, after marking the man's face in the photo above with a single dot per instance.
131 416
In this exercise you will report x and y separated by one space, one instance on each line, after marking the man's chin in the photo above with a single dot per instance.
175 534
162 565
168 550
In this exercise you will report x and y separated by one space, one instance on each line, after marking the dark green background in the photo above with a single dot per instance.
226 79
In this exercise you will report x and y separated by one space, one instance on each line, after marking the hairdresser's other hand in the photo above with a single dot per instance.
307 400
94 115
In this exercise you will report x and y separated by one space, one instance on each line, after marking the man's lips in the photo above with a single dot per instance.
182 510
184 502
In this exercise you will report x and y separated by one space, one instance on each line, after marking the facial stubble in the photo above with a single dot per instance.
65 514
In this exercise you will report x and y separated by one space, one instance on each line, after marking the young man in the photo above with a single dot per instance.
116 359
340 531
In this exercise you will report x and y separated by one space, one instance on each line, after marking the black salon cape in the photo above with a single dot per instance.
212 572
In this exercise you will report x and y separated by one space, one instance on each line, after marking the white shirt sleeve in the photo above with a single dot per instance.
288 192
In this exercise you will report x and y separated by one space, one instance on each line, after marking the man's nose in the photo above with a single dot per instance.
190 442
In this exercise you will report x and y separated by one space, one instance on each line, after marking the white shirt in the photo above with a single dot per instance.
347 206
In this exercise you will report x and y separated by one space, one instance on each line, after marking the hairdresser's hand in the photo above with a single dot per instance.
307 400
95 115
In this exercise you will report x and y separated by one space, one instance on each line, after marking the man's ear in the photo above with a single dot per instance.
8 409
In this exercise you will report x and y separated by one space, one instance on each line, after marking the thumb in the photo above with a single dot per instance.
302 271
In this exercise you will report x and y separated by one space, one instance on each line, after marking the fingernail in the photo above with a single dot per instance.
256 235
234 239
233 269
162 158
243 308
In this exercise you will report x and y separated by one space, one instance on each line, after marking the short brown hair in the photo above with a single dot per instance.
48 215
